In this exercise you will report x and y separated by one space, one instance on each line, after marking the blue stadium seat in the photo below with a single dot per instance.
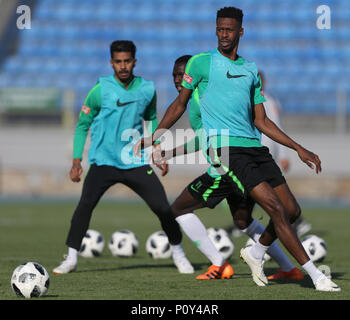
68 45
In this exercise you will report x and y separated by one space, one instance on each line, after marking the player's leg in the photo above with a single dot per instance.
271 173
277 200
97 181
241 210
299 225
268 199
192 199
292 208
289 202
147 185
247 165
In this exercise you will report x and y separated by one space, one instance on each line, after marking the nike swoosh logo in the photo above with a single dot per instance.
229 76
122 104
149 172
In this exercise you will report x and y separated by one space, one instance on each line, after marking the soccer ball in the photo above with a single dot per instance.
315 247
222 241
30 280
250 242
92 244
123 243
157 245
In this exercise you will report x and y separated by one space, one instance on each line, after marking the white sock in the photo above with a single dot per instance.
177 250
258 250
254 231
313 272
73 254
197 232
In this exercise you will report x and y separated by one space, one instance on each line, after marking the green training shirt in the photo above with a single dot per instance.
91 109
199 73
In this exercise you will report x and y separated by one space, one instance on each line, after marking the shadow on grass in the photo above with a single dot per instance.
196 266
49 296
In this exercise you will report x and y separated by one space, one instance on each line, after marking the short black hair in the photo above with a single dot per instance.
123 46
230 12
183 59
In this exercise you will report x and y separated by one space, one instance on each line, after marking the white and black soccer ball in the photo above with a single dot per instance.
250 242
92 244
30 280
222 241
123 243
315 247
158 246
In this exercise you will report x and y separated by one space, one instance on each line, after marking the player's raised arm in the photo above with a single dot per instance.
268 127
174 112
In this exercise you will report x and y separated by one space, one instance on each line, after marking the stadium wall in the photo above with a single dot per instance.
36 162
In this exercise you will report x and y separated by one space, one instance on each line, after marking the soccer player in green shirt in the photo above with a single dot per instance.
233 116
240 209
114 111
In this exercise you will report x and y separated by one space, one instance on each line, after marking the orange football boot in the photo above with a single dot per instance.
294 274
217 272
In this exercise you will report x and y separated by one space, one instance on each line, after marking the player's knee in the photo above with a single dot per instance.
176 210
242 218
241 224
277 212
295 213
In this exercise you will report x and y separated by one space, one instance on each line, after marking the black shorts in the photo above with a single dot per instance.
239 170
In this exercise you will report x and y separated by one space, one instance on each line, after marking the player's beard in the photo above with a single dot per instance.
229 49
123 78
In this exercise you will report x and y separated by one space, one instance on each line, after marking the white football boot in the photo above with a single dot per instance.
326 284
66 266
182 264
256 266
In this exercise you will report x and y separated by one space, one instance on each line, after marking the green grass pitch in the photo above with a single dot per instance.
37 232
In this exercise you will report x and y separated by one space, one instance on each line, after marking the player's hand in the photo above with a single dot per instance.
164 167
141 144
311 159
76 170
159 156
159 161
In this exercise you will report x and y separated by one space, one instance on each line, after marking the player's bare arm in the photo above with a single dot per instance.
159 156
173 113
268 127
